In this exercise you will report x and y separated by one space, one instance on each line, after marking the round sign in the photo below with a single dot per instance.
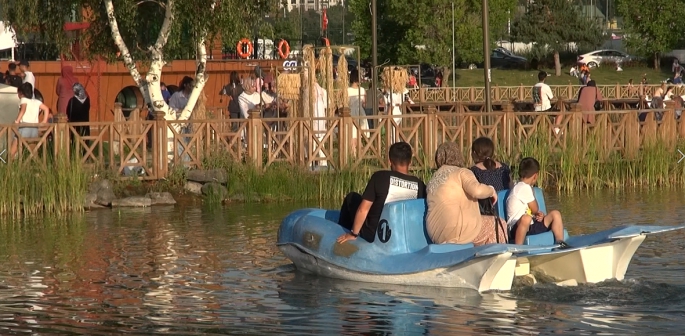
384 231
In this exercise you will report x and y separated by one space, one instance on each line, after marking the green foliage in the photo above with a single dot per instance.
556 23
651 28
139 22
294 25
428 23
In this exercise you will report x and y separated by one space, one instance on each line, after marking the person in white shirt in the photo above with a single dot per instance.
248 100
357 96
524 217
542 98
27 76
29 113
319 126
395 100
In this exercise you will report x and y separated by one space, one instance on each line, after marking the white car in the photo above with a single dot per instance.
597 57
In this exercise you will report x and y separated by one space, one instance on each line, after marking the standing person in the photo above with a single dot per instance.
78 109
395 99
319 127
11 77
590 99
27 75
233 90
179 99
357 96
166 95
542 98
361 213
29 112
65 88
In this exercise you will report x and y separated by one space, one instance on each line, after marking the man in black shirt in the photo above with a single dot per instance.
11 77
361 213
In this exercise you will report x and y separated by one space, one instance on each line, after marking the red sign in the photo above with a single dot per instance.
324 20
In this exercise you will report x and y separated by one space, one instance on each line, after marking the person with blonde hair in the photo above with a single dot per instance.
452 195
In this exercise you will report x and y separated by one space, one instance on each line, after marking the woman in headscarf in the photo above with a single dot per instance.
64 89
78 109
452 196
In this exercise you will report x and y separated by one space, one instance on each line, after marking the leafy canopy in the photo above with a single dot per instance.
139 22
556 23
405 24
653 26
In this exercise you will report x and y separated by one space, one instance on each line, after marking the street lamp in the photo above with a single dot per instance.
486 55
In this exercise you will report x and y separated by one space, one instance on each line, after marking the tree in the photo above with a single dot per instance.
139 33
555 24
427 24
652 27
294 26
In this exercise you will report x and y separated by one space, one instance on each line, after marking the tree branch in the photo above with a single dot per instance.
163 36
121 45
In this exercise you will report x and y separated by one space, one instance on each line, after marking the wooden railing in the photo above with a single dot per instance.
524 92
145 149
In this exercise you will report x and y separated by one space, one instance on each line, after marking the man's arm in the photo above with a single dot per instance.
360 217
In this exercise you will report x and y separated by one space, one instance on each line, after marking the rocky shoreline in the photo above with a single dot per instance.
201 183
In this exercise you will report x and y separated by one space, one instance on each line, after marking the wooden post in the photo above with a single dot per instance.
508 127
61 135
576 124
345 137
255 138
667 130
431 136
162 145
117 129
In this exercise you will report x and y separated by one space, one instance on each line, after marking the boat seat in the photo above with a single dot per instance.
546 238
402 227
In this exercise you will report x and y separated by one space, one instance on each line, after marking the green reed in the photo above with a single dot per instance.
30 188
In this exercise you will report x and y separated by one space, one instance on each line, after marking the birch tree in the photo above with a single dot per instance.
143 34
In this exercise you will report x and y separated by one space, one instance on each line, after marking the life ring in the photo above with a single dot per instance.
239 48
326 42
283 52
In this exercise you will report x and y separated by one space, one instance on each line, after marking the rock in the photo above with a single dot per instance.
89 202
104 192
193 187
205 176
135 201
161 198
525 280
567 283
214 189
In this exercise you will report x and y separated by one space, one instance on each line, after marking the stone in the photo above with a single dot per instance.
567 283
104 192
525 280
193 187
133 202
161 198
206 176
214 189
89 202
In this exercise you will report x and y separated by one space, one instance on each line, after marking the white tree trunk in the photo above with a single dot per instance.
125 53
200 80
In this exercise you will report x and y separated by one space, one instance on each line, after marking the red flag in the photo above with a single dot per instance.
324 20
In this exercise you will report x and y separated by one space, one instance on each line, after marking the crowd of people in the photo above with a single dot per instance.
460 200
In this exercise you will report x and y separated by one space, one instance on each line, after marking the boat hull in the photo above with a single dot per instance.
493 272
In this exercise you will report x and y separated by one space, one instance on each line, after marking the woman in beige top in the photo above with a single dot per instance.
452 197
588 96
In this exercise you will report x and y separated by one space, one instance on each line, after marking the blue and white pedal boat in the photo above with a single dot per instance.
403 254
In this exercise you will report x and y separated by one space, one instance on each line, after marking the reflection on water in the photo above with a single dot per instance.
197 271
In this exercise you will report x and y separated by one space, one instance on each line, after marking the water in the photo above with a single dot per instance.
187 271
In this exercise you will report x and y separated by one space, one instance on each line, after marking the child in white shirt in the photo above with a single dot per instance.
524 215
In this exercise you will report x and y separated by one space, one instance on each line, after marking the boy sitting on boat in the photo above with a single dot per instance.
361 213
524 215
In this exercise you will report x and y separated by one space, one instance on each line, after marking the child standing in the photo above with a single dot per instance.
524 215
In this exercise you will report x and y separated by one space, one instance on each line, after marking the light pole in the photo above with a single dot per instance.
374 57
454 67
486 54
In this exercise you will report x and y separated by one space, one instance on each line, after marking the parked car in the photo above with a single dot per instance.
500 58
597 57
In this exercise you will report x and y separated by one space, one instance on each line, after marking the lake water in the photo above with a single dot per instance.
190 270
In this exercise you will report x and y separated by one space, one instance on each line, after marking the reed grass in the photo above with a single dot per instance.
31 188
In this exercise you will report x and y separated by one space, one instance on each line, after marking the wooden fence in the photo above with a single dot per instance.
143 149
524 92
